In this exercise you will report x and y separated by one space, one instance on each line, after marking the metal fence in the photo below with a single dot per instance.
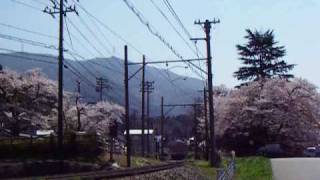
228 172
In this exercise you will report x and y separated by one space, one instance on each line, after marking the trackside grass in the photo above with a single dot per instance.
247 168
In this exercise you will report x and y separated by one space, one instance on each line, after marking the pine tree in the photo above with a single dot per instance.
262 58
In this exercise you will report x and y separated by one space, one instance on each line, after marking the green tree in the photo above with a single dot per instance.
262 58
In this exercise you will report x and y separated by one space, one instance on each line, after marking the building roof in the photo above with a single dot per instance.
138 131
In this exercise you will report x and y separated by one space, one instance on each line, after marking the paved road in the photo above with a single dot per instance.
296 168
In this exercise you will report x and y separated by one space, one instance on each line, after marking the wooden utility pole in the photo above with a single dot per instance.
194 105
206 123
142 105
101 84
161 129
58 8
60 82
127 121
214 160
77 105
195 133
149 89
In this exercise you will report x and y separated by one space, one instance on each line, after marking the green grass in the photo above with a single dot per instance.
253 168
142 161
205 168
247 168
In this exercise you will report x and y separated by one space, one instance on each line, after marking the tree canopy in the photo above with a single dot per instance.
261 57
281 111
29 101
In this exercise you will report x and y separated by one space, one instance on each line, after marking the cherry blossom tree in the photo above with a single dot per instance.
26 99
95 118
280 111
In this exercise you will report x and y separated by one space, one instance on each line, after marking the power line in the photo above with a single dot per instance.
72 54
23 57
40 44
152 30
35 43
173 27
88 41
26 5
101 32
27 41
174 14
109 29
28 31
119 37
67 65
83 66
84 37
94 35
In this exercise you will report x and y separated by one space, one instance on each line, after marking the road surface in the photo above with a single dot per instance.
296 168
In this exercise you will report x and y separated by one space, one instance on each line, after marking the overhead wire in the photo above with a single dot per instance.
105 26
177 18
72 54
94 35
173 27
109 29
14 54
34 43
98 39
28 41
26 5
84 37
152 30
27 31
196 51
99 22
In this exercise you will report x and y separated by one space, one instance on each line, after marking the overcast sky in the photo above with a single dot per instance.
295 23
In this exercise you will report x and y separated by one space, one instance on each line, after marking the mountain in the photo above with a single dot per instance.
174 88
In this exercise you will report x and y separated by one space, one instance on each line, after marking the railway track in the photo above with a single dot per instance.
111 174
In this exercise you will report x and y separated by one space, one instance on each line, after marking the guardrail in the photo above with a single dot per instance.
228 172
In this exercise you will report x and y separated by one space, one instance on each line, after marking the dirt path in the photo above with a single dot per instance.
296 168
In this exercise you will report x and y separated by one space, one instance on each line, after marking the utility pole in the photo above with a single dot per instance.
58 8
77 105
101 84
142 104
206 123
161 129
149 89
142 68
127 121
194 105
196 140
214 160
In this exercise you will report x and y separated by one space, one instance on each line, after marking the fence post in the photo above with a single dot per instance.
220 173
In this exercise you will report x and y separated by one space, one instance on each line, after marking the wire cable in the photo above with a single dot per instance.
84 37
173 27
27 41
151 29
26 5
27 31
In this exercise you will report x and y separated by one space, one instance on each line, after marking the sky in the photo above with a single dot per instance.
295 24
